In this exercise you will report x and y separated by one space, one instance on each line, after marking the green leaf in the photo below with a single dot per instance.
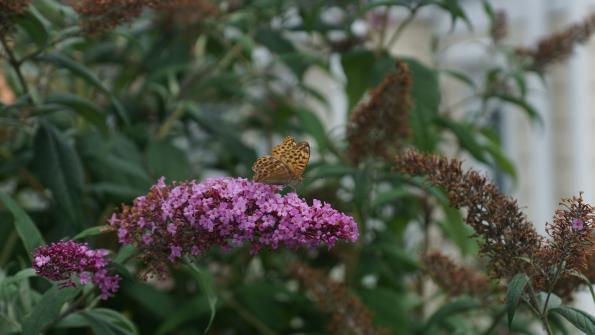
466 136
559 326
23 274
104 321
274 41
80 105
58 167
25 227
87 75
456 11
364 69
459 232
460 76
32 22
425 93
362 188
580 319
521 103
514 292
48 308
93 231
114 160
205 280
165 159
125 252
186 312
76 68
397 256
456 307
500 158
328 170
388 197
586 280
312 125
260 299
390 309
122 193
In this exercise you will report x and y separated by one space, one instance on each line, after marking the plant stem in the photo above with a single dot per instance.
70 33
427 220
383 30
551 286
169 123
395 36
495 322
8 246
16 65
247 316
71 308
542 315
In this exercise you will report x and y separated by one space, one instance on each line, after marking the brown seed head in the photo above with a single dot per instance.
378 127
348 314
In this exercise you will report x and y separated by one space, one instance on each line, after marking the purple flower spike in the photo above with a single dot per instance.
66 259
578 224
190 218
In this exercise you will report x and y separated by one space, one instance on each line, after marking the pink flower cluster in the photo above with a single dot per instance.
62 260
188 218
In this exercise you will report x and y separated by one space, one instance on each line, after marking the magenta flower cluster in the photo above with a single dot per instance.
64 260
188 218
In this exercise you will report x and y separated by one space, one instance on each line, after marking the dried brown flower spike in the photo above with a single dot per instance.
508 237
570 245
348 314
102 15
378 127
510 241
454 279
499 28
558 46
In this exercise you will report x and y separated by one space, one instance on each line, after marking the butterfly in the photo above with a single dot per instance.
285 166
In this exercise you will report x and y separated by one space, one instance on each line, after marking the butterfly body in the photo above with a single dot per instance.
285 166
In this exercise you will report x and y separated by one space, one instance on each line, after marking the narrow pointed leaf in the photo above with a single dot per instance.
580 319
514 292
206 282
48 309
25 227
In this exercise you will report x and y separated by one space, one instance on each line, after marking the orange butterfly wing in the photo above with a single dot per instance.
286 165
286 146
297 159
271 170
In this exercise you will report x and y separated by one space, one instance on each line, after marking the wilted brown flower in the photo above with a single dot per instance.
187 12
570 245
348 314
565 288
511 243
454 279
558 46
378 127
103 15
8 10
499 28
509 239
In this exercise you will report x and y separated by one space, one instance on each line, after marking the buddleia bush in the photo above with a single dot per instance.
130 133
